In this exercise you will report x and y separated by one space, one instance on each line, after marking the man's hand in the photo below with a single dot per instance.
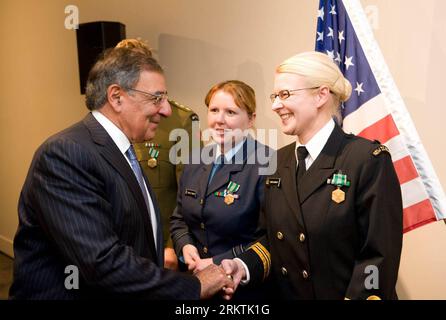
236 270
170 259
214 279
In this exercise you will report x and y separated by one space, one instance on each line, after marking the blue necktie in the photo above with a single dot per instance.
130 153
217 165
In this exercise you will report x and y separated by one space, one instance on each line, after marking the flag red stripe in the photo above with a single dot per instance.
383 130
417 215
405 169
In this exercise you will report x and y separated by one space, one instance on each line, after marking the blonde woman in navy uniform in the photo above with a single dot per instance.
218 204
333 209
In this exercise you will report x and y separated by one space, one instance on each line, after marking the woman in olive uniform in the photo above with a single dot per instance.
333 209
218 202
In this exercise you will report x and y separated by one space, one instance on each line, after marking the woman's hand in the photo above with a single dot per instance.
202 264
191 256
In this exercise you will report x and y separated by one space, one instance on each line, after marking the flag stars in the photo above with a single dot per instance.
320 36
331 54
332 11
330 32
320 13
358 88
348 62
341 36
338 58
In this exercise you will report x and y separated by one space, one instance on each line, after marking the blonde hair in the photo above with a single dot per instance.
243 95
135 44
318 69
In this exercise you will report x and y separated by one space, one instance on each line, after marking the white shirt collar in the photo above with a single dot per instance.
318 141
229 154
118 137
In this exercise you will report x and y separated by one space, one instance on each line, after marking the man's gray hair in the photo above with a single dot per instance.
121 66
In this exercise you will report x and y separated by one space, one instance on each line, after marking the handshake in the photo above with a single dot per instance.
223 279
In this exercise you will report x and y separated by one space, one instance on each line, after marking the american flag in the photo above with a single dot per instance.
376 110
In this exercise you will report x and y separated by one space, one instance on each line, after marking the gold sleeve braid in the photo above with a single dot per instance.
264 255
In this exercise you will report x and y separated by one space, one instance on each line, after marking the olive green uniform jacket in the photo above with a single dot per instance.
164 176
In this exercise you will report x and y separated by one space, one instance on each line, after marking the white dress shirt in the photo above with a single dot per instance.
231 152
316 143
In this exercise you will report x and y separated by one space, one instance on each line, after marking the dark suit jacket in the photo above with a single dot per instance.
81 205
321 249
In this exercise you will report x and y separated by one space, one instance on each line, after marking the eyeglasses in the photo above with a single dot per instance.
285 94
156 98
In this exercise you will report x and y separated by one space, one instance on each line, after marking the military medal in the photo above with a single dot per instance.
339 180
152 145
338 195
229 193
153 162
229 199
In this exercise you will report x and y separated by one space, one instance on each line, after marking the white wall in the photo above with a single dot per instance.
201 42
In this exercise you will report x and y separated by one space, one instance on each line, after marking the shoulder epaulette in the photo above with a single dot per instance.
179 106
381 148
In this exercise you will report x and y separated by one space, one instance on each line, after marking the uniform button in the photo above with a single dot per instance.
202 225
205 250
279 235
284 271
305 274
201 201
301 237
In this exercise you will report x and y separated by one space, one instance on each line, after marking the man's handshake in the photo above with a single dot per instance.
224 278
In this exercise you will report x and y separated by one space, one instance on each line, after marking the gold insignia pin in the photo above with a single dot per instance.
338 195
152 162
229 199
380 149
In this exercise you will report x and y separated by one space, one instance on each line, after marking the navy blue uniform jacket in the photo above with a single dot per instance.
321 249
201 218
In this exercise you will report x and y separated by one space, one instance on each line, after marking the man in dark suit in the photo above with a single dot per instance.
333 209
86 206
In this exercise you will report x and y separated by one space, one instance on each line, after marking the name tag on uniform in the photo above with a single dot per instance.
190 193
273 182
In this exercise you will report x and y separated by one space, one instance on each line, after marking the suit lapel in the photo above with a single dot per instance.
113 155
287 175
223 175
159 231
323 166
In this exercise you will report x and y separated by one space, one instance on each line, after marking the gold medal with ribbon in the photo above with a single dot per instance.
229 193
153 153
339 180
